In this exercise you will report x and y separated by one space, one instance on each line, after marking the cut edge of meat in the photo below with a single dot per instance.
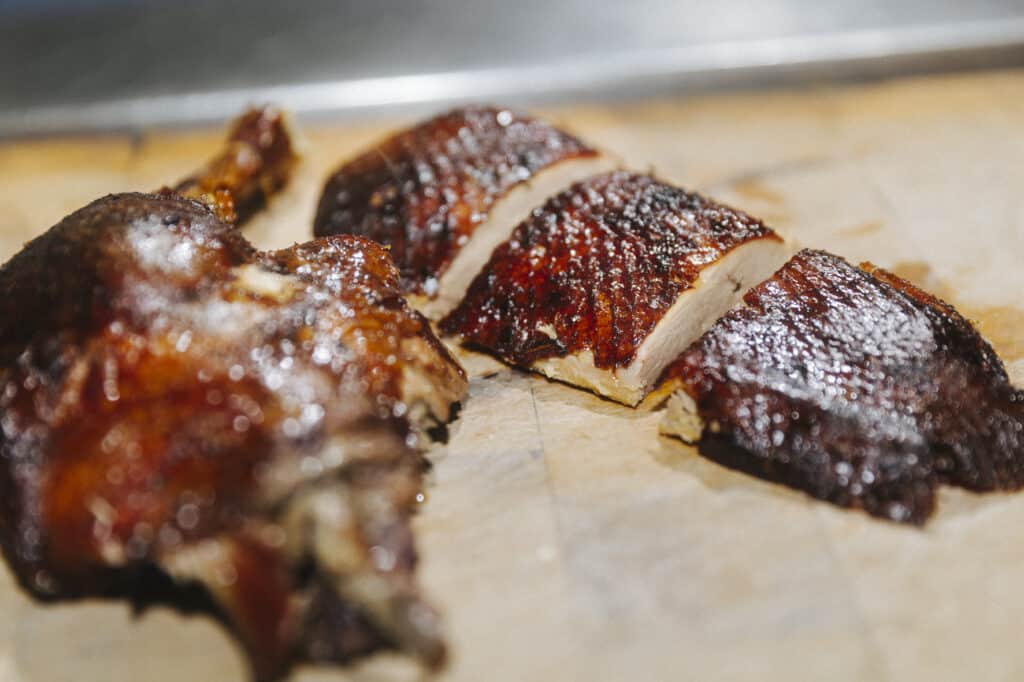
681 418
506 214
720 286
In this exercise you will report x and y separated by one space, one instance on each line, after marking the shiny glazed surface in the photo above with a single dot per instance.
595 269
256 161
166 391
855 386
424 191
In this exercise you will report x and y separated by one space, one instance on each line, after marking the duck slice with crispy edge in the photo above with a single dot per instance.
444 193
610 280
853 385
172 400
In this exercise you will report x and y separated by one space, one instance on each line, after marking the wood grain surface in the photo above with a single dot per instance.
562 537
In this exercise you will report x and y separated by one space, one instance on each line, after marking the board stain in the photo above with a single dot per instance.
863 230
755 189
771 203
1002 326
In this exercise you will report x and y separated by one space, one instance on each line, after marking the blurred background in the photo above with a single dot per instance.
76 65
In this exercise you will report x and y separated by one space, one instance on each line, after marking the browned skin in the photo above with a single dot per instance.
856 387
256 161
600 263
171 397
424 191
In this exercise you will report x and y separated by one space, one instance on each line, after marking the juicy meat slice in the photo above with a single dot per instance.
257 160
610 280
171 397
444 193
852 385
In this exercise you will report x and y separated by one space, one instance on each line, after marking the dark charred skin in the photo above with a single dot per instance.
256 162
164 386
424 191
855 386
600 264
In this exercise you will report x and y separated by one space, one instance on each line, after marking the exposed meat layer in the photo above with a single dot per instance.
857 387
257 160
595 269
423 192
171 397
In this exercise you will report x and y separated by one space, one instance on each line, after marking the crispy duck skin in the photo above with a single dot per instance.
172 398
425 191
597 268
855 386
257 160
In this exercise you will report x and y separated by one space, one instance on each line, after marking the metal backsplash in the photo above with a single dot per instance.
72 65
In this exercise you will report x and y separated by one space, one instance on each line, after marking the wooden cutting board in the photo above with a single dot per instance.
562 537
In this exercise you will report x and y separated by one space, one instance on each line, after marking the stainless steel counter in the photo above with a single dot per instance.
77 65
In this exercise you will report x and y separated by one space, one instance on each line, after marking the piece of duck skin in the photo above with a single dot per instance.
610 280
852 385
442 194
